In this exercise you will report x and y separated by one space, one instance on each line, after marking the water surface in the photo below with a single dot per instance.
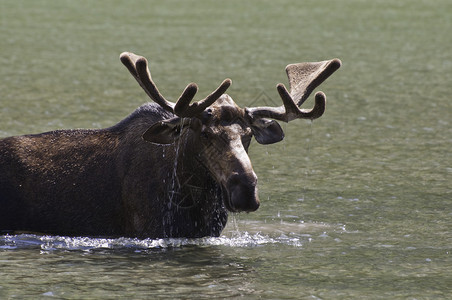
356 204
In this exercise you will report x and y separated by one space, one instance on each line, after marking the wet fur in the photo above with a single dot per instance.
107 182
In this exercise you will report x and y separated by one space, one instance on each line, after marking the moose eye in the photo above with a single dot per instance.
204 135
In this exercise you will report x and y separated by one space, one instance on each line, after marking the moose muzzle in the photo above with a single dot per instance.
242 193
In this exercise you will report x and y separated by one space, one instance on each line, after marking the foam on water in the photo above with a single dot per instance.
250 234
238 233
50 243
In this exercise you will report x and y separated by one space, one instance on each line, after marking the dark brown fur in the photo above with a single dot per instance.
107 182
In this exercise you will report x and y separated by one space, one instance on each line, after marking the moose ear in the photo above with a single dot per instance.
267 131
167 131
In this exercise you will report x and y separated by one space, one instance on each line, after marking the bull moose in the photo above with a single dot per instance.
170 169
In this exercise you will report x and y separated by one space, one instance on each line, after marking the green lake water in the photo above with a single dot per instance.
354 205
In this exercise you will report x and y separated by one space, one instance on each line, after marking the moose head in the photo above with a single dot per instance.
219 132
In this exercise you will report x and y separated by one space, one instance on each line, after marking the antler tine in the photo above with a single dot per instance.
138 67
185 109
303 79
149 85
292 111
129 59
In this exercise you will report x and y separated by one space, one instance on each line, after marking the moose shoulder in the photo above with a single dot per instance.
167 170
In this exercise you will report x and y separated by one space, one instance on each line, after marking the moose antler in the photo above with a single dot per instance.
138 67
303 79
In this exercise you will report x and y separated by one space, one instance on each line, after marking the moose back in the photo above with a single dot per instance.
170 169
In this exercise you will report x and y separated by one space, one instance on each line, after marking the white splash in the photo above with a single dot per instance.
252 234
52 243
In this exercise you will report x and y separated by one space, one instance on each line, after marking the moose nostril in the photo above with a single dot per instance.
235 179
254 206
245 179
243 192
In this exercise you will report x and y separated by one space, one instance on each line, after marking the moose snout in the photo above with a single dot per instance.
242 191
